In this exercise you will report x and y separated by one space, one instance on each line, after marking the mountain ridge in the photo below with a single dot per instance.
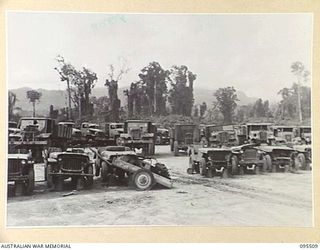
58 98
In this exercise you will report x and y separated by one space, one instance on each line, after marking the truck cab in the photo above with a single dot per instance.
139 134
259 132
113 130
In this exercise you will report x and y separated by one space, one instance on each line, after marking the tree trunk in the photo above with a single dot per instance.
299 103
69 95
34 109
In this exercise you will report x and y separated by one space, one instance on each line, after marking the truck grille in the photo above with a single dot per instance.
72 164
14 166
218 157
250 154
136 134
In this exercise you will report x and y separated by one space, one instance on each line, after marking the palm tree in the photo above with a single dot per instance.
33 96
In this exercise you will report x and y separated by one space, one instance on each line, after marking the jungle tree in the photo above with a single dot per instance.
226 103
181 92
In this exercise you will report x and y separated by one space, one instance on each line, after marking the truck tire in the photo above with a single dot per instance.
256 169
210 173
30 185
241 170
234 165
58 185
19 188
203 167
104 171
268 162
264 164
49 176
225 173
171 145
300 161
190 169
175 148
89 179
143 179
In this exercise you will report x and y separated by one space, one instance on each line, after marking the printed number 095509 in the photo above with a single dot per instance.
308 245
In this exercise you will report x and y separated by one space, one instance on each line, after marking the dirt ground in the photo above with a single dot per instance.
271 199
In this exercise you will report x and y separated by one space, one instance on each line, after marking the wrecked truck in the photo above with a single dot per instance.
122 163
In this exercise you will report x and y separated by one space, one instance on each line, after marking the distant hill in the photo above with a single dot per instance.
58 98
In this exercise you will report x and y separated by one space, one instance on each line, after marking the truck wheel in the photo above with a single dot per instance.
268 162
171 145
19 187
234 165
225 173
256 169
74 182
308 166
241 170
190 168
143 179
203 167
210 173
300 161
286 168
59 184
30 184
48 176
104 171
175 148
151 149
89 179
273 168
264 164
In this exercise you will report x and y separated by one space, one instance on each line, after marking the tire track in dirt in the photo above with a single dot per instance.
243 190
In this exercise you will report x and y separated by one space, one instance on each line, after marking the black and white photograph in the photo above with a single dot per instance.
149 119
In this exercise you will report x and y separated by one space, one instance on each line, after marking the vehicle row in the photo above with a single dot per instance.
248 158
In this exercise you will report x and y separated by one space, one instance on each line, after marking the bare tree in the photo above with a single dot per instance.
112 85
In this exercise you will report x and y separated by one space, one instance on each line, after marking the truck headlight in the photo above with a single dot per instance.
59 159
23 162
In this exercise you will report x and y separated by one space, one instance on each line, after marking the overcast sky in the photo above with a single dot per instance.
252 52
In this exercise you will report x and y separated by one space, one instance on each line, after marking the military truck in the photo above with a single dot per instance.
227 135
113 130
20 171
92 132
259 132
162 136
138 134
183 136
38 133
76 135
214 161
252 159
304 132
284 132
303 159
282 158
